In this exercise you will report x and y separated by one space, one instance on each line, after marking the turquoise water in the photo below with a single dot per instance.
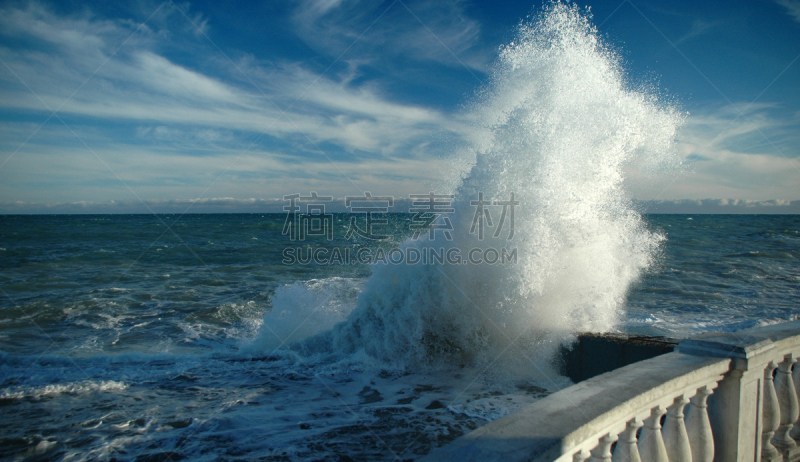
131 337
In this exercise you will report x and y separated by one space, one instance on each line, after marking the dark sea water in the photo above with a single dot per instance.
197 337
718 273
137 337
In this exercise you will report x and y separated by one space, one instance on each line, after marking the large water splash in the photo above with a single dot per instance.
560 124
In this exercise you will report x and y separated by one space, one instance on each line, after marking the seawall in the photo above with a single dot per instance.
594 354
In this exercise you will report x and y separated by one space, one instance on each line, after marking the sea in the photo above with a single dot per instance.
380 334
129 337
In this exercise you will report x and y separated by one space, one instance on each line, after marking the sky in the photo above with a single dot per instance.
229 106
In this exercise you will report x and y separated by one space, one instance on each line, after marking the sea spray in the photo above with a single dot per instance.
558 123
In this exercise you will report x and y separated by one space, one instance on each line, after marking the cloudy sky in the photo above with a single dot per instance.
232 105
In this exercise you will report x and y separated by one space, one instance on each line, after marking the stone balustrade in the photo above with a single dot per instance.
718 397
754 413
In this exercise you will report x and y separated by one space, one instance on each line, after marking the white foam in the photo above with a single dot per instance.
492 408
58 389
303 309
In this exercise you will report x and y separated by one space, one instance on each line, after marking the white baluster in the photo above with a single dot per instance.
626 450
796 379
699 428
770 417
675 437
787 399
581 455
602 453
651 443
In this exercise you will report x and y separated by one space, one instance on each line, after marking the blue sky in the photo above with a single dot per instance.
229 106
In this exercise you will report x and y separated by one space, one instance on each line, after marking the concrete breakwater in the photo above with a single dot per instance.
594 354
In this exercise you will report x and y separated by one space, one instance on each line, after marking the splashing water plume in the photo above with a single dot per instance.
559 125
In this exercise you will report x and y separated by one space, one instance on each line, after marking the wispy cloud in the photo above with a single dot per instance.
174 117
401 204
201 205
142 85
793 7
181 163
389 31
741 150
699 27
189 124
689 206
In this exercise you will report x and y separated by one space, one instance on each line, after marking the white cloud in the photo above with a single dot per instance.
699 27
182 164
176 82
742 151
793 6
169 126
431 30
79 34
143 86
186 112
775 206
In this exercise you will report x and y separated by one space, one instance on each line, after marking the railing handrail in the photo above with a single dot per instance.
576 417
590 415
